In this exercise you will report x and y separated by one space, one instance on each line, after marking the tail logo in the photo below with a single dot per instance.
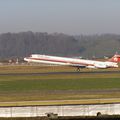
115 59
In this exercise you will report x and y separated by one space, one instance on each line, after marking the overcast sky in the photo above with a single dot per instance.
66 16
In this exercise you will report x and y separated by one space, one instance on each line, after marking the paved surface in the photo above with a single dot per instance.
60 73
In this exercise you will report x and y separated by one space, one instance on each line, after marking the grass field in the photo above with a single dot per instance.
83 86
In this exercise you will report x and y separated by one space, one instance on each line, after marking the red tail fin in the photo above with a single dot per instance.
115 58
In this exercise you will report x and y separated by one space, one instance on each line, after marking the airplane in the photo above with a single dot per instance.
75 62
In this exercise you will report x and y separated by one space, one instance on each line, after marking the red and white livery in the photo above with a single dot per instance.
79 63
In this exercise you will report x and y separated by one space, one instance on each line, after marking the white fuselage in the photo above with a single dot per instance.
69 61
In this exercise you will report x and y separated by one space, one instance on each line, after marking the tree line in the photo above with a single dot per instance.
25 43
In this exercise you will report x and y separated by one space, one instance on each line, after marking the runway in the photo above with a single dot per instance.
60 73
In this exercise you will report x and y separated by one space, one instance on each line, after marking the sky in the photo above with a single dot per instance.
72 17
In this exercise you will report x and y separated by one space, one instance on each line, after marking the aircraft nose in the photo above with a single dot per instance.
25 59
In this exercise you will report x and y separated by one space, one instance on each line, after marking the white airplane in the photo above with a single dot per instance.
76 62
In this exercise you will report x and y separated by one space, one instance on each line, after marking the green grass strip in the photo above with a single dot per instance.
60 84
